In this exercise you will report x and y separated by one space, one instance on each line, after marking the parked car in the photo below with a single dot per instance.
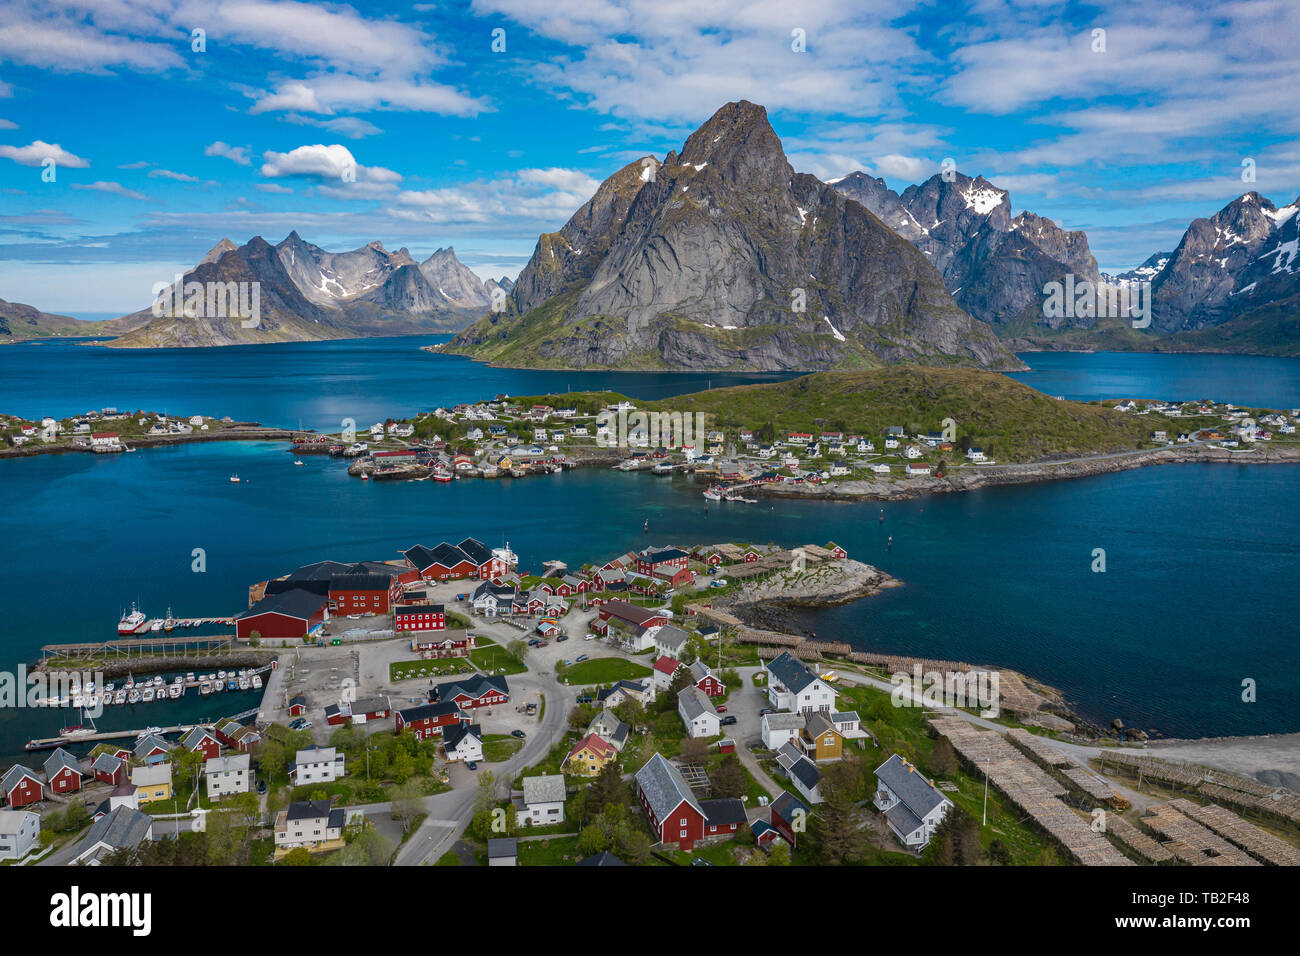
533 642
566 662
728 720
719 583
590 637
581 658
518 733
471 765
585 698
765 711
562 637
722 709
261 786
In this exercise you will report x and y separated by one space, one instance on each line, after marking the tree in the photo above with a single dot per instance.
407 803
606 790
694 749
631 711
838 830
297 857
728 779
943 759
779 854
487 795
956 841
517 649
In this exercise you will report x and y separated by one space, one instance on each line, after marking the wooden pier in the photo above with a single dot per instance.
49 743
155 644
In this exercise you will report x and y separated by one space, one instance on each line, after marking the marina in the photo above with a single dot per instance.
50 743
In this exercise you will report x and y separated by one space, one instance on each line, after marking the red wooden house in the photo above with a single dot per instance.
651 562
62 773
364 593
420 617
297 706
836 550
477 690
789 816
109 768
428 720
631 614
21 787
201 741
290 614
445 644
675 815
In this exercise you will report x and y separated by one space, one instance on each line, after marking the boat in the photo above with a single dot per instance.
244 683
257 681
120 696
169 622
364 476
221 675
713 494
205 689
189 678
441 476
156 626
79 730
175 692
133 696
146 696
297 462
232 685
147 731
663 468
234 479
131 621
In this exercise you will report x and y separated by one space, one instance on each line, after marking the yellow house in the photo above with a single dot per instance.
152 782
589 755
819 738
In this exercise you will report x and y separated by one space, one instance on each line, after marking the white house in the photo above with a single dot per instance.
781 728
912 806
792 686
917 471
463 742
542 802
20 830
697 713
309 823
975 454
670 641
317 765
226 775
880 469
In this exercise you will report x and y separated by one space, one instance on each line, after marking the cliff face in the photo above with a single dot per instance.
723 257
994 266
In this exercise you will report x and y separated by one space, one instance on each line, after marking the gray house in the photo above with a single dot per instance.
913 808
19 832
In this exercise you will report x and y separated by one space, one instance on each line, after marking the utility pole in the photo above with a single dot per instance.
985 819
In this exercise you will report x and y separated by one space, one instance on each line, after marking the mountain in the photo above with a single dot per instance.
1147 271
723 256
994 265
307 293
1234 263
19 323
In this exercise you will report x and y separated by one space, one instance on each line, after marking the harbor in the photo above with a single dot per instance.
80 736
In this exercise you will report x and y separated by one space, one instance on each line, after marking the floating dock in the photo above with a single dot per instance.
49 743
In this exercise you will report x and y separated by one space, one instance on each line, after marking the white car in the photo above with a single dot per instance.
590 637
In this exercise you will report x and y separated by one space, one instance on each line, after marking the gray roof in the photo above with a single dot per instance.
787 803
152 774
603 858
806 772
673 638
234 762
315 755
723 811
791 672
699 670
149 742
817 723
56 761
308 810
194 737
664 787
124 827
548 788
12 820
108 763
843 716
780 721
694 703
902 819
910 787
503 847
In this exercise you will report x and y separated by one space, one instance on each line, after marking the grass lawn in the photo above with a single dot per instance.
493 657
448 859
445 667
500 747
559 851
603 670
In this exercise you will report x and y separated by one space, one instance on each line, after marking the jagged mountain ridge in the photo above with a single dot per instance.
723 257
307 293
994 265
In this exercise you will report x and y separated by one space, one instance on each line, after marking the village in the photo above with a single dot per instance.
445 708
111 430
512 438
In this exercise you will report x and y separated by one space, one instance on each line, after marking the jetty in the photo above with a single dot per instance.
157 643
50 743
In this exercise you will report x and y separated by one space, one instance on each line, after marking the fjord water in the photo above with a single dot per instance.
1202 560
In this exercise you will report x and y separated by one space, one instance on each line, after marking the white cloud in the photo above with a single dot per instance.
169 174
273 188
236 154
544 196
36 152
349 126
8 124
116 189
328 164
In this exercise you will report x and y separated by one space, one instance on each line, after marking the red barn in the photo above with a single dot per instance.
836 550
677 577
62 774
420 617
443 563
706 680
296 613
21 787
632 615
297 705
428 720
665 796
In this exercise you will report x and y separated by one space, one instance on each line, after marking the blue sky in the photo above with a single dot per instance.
162 149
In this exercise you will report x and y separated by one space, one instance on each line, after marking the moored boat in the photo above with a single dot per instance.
130 621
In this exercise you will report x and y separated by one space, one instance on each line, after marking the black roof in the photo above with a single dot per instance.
476 685
478 552
360 582
603 858
426 711
313 585
320 571
420 609
665 554
723 812
296 603
307 809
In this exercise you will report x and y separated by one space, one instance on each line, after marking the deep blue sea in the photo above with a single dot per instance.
1198 595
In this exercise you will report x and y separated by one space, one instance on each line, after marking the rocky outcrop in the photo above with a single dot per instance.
723 257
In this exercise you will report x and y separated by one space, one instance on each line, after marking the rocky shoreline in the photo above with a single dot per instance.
971 478
249 433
